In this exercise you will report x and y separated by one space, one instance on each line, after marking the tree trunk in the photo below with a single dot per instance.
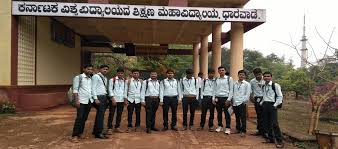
317 116
296 95
312 122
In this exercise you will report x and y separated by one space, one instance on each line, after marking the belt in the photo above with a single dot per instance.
189 96
152 97
170 96
207 96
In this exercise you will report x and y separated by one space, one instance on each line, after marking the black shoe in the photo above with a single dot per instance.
185 128
154 129
101 136
148 130
174 129
165 129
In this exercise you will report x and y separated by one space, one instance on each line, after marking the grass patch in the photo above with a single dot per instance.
295 117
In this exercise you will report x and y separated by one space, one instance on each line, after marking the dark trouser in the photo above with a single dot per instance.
81 118
99 118
119 109
171 102
271 122
189 102
240 113
207 105
131 107
220 107
151 108
259 110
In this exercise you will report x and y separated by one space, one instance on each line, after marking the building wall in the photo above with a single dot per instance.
56 64
5 42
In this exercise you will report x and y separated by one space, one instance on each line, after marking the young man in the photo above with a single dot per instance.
100 92
272 99
208 87
133 95
116 88
169 97
82 90
150 99
223 95
257 96
189 94
242 90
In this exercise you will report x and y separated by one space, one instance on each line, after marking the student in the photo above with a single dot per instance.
257 96
189 94
82 86
272 99
133 95
100 92
223 96
208 87
150 99
199 84
169 97
116 88
242 90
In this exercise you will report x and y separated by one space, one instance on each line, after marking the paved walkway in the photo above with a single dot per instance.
52 129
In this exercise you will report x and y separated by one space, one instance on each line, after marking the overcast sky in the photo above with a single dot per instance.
285 19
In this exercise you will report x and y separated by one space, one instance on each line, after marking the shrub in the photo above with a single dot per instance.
7 107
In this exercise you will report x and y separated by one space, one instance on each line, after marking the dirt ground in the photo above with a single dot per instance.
52 129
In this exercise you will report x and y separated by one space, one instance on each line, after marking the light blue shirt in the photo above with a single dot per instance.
169 87
133 90
256 87
222 88
189 87
242 91
98 86
269 94
117 90
208 88
153 89
84 90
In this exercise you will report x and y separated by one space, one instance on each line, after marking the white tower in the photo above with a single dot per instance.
304 51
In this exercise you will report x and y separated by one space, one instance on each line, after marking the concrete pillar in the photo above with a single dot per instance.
6 42
236 49
204 56
196 59
216 46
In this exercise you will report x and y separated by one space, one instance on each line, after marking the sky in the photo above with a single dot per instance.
284 23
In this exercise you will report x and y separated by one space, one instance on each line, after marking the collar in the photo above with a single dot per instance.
270 83
210 79
117 78
185 78
84 75
170 79
151 79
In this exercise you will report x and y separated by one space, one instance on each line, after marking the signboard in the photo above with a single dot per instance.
137 12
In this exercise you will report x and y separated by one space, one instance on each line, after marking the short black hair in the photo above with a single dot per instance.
170 70
200 73
267 72
119 69
189 71
242 71
153 70
87 65
211 70
257 70
135 70
220 67
104 66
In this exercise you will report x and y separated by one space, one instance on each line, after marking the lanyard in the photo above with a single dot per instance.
189 82
136 84
171 84
210 84
154 84
239 86
120 82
